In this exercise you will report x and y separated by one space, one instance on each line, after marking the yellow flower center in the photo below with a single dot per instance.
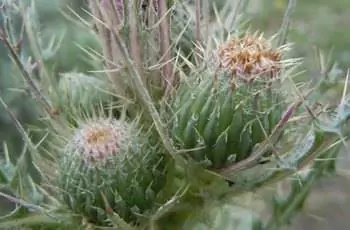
99 140
99 136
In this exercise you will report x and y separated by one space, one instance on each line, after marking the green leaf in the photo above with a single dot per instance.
218 216
6 168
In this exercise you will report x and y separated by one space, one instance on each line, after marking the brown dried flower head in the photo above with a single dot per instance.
250 57
99 140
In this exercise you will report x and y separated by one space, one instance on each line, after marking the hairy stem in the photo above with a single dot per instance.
135 41
145 96
285 23
106 37
164 29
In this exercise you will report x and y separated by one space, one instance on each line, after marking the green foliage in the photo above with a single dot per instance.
176 124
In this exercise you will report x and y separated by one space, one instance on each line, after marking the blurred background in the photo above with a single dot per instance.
316 24
325 25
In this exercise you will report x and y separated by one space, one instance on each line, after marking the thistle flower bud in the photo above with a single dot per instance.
80 91
223 115
107 164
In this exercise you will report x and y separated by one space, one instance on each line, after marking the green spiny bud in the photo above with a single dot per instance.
77 91
108 164
224 114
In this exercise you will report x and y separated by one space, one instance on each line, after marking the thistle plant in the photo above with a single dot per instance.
179 119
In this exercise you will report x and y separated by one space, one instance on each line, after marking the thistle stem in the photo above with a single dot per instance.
285 23
164 29
135 41
145 96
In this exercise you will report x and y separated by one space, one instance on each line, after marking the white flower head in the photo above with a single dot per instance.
100 140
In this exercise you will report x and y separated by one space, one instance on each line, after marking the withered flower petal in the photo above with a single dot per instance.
250 57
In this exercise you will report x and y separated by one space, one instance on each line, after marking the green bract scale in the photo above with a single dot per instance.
223 114
108 165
